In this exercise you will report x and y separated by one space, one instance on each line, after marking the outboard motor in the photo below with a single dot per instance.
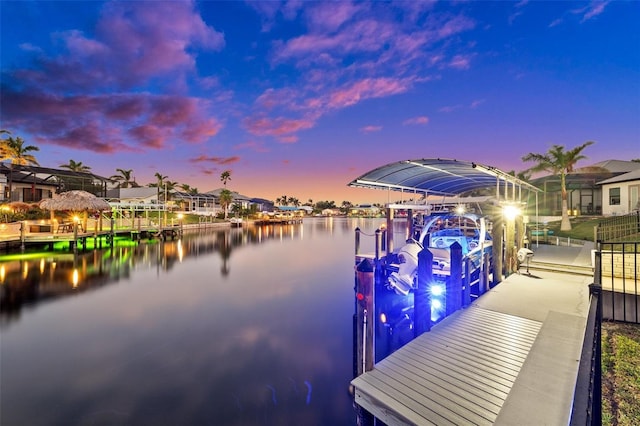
402 281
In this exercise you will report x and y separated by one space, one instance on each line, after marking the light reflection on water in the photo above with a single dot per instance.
234 327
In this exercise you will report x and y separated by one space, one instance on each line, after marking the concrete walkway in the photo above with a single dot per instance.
571 256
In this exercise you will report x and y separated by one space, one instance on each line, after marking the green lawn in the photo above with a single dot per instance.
620 374
581 228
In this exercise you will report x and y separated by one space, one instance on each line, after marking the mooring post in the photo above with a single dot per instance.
466 291
357 241
497 237
365 279
112 232
75 237
389 233
483 277
486 271
422 293
23 231
378 245
454 283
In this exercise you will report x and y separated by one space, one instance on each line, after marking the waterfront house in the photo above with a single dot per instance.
585 194
32 184
621 194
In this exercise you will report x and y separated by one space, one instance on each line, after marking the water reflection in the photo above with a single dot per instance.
234 327
48 275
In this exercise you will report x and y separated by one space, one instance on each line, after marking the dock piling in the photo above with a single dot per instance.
454 283
422 293
365 318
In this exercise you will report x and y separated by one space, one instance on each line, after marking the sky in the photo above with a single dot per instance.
298 98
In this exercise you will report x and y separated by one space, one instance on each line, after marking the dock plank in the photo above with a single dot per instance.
461 372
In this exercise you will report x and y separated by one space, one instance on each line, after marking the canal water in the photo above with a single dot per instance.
241 326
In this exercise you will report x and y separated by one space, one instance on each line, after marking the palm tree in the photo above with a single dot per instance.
346 205
225 198
559 162
294 201
185 187
76 166
225 176
283 201
15 151
125 179
524 175
159 184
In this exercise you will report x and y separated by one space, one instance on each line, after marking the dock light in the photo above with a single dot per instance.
437 290
460 210
76 219
510 211
180 216
383 318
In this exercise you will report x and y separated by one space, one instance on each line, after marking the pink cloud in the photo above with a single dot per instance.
134 45
555 23
594 9
461 62
476 103
280 127
449 108
215 160
367 89
370 129
367 35
454 26
148 135
330 16
416 120
109 123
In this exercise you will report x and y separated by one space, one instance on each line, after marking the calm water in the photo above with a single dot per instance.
245 326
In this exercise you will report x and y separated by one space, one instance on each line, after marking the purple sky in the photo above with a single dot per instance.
299 98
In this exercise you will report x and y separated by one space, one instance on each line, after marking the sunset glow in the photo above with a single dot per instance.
299 98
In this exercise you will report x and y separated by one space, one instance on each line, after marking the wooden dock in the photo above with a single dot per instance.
510 358
459 373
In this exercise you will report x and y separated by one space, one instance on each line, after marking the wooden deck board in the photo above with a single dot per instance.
464 396
443 377
461 372
455 365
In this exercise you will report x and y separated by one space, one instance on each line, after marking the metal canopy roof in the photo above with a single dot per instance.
437 176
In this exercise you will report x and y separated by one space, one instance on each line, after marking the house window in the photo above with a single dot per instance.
31 195
614 196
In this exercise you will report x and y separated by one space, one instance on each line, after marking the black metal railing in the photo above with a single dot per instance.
618 275
619 228
587 405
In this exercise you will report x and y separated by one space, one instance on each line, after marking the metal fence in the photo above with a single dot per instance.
587 405
619 228
614 296
618 276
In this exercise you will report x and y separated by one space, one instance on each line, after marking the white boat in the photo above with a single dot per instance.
439 232
236 221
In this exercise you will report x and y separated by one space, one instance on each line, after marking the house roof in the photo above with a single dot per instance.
612 166
236 196
436 176
625 177
46 173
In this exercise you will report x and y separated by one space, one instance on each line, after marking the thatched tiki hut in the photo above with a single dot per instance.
75 201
